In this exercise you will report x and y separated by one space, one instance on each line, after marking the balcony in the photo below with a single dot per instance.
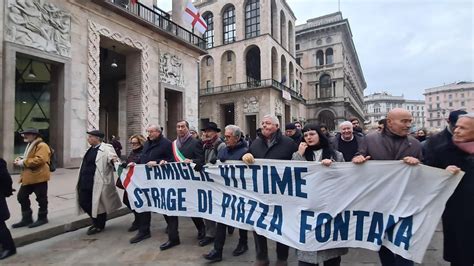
156 19
251 84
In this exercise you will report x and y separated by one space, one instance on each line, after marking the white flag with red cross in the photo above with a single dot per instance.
191 15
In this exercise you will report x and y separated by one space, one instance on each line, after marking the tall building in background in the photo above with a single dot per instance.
250 69
333 79
377 105
443 99
71 66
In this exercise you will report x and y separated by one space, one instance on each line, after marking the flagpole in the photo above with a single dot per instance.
339 5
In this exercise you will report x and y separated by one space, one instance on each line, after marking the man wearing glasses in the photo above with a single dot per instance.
156 149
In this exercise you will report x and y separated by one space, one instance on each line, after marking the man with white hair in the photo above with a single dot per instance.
347 142
270 144
454 154
155 149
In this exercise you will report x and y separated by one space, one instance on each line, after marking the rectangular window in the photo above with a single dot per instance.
462 103
437 106
450 96
208 84
252 19
450 104
298 60
297 46
437 98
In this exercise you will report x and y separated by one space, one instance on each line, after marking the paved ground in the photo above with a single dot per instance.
111 247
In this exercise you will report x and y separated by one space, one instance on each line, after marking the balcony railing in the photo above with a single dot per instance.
249 85
160 19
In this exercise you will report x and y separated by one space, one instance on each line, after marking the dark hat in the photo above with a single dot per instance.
96 133
30 131
290 126
454 115
211 126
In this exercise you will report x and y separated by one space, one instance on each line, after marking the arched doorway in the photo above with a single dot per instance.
327 117
252 66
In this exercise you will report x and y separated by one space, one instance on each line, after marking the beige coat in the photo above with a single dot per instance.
105 198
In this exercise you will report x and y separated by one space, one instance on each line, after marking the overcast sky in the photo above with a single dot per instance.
404 46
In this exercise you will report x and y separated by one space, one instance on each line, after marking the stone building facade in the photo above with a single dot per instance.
334 83
441 100
250 69
71 66
377 105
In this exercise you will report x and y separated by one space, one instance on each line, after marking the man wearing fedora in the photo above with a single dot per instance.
34 178
212 144
96 191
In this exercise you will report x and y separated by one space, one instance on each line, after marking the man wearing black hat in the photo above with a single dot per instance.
96 191
34 178
212 144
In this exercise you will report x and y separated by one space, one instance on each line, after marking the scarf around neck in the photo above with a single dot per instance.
182 140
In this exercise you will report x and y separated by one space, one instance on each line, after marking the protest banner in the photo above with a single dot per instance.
304 205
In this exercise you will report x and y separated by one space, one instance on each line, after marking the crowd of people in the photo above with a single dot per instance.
452 149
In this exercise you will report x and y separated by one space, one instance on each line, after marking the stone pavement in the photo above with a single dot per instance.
66 242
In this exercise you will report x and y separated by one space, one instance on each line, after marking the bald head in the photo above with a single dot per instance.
399 121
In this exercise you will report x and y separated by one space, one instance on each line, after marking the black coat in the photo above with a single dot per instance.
458 217
157 150
192 149
281 149
5 190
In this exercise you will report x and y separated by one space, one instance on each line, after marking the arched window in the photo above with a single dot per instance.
329 56
228 22
319 58
325 88
209 34
252 18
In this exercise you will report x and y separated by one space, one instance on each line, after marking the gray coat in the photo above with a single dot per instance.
388 146
317 257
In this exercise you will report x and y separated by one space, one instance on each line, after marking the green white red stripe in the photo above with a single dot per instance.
178 156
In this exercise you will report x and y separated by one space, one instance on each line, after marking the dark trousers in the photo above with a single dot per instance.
331 262
6 239
221 232
85 201
143 220
262 249
127 203
173 224
41 193
388 258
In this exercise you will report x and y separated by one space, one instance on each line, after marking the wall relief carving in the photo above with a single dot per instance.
251 105
40 25
278 107
171 70
93 91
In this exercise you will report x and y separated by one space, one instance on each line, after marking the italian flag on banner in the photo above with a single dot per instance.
126 172
178 156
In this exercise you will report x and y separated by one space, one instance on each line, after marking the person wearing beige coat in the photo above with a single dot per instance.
96 193
34 178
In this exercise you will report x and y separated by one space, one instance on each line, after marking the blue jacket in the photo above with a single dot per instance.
235 153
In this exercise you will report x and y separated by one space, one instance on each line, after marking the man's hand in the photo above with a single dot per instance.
151 163
188 160
411 160
326 162
359 159
248 158
163 162
453 169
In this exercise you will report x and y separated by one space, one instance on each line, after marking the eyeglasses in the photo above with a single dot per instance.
135 143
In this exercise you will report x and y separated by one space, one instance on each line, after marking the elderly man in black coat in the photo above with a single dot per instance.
156 149
449 153
6 241
191 149
270 144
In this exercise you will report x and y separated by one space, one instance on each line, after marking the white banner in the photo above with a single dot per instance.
303 204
